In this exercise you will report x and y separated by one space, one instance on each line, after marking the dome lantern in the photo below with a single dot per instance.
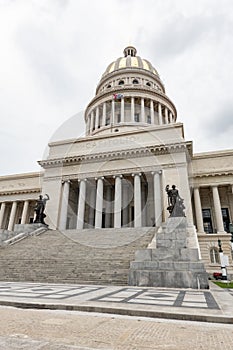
130 51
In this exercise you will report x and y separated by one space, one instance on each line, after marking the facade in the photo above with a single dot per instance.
115 176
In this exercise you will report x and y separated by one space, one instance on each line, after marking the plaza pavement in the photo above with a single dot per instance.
213 305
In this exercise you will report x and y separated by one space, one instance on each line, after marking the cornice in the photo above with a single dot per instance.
119 154
26 191
212 173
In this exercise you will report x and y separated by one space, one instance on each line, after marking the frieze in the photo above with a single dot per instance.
135 152
7 193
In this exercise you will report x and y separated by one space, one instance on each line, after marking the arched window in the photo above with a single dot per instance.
214 256
121 82
108 87
148 84
135 81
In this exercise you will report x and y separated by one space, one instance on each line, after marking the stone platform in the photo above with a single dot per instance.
172 264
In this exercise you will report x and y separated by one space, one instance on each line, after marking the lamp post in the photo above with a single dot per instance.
222 261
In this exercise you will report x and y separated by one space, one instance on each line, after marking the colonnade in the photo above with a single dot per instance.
13 212
126 110
217 211
117 198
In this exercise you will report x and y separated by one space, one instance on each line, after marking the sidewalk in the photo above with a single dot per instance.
213 305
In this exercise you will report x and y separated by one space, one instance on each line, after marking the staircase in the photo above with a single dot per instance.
91 256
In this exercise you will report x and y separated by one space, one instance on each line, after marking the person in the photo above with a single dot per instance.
39 209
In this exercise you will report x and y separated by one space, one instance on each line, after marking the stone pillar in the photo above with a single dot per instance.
132 109
157 198
91 220
99 203
198 211
142 110
108 207
217 209
2 212
125 204
25 212
122 110
12 216
152 113
104 114
117 202
170 116
96 117
166 115
113 112
64 205
92 122
160 114
88 125
137 201
81 203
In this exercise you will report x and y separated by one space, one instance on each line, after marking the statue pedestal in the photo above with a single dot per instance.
172 264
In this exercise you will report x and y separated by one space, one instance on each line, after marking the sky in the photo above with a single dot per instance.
53 53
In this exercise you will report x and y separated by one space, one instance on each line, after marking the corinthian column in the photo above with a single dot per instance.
132 109
2 212
157 198
198 210
12 216
152 114
99 203
64 205
217 209
81 204
117 202
160 114
25 212
122 110
137 201
142 110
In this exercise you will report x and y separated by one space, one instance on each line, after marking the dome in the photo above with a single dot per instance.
130 60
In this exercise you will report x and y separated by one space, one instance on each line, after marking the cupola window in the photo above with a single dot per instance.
121 82
109 86
135 81
148 84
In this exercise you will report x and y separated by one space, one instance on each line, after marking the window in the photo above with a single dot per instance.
226 219
109 86
207 221
136 117
135 81
148 84
214 256
121 82
149 119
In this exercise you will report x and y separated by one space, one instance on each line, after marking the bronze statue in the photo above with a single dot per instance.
175 202
39 209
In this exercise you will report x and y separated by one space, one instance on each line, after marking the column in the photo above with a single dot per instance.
125 203
217 209
160 114
25 212
113 112
91 220
170 116
88 125
99 203
166 115
104 114
198 210
157 198
108 212
81 203
142 110
122 110
132 109
117 202
152 113
137 201
12 216
2 212
92 122
96 118
64 205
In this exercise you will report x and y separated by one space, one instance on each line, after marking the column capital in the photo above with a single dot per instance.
99 178
159 172
139 174
115 176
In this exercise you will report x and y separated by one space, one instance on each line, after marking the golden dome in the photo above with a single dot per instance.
130 60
